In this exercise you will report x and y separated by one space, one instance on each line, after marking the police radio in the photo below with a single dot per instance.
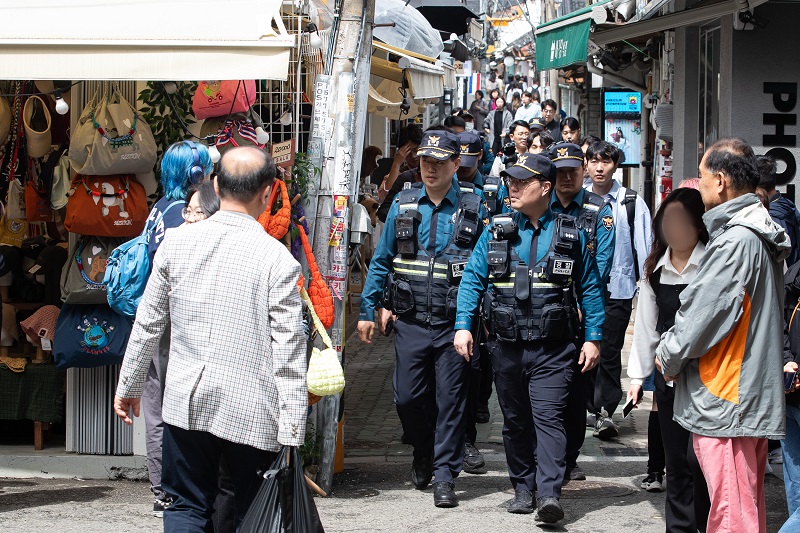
503 230
491 190
467 220
407 220
405 231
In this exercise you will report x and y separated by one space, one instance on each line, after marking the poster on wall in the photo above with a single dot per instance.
622 123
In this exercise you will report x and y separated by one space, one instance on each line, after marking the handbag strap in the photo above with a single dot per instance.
116 194
87 279
148 230
317 322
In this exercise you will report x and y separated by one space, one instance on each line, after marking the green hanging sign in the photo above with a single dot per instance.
563 46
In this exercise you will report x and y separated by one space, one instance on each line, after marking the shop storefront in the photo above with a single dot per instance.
106 124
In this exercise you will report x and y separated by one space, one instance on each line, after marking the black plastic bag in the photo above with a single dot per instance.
284 503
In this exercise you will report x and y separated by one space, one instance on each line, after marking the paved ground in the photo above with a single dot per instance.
374 493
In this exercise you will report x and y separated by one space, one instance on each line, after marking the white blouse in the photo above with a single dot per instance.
645 337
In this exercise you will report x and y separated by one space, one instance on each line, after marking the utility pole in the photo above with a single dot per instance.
337 139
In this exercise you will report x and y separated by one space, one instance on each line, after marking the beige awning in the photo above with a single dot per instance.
385 99
144 40
425 78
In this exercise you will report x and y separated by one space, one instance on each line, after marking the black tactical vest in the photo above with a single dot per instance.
587 219
537 303
424 287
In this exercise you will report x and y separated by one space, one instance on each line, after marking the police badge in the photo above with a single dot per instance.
608 222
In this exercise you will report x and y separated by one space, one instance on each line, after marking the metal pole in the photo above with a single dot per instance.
340 146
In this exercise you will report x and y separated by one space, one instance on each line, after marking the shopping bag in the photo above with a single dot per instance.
107 206
111 137
90 335
82 278
221 98
284 503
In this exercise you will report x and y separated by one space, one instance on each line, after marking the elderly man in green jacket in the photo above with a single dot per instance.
725 350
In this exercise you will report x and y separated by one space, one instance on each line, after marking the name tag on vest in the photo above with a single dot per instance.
563 267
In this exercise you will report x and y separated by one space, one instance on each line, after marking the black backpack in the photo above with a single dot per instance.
630 206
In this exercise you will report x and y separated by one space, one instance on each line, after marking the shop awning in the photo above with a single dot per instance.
385 99
448 16
424 77
564 41
145 40
697 14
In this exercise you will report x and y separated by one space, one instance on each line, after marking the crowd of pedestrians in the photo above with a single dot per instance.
539 298
511 259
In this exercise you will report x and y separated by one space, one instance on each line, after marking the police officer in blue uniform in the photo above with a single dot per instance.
532 270
494 191
480 381
414 276
595 216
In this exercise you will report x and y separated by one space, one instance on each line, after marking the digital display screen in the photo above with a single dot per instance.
622 124
620 103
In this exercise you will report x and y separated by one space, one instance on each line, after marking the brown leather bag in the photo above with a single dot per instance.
37 203
106 206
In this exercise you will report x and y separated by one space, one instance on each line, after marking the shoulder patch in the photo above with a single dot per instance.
608 222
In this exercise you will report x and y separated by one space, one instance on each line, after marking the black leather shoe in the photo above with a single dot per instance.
473 459
444 494
550 510
422 472
522 502
574 473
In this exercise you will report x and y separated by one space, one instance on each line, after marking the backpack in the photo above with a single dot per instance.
630 206
128 269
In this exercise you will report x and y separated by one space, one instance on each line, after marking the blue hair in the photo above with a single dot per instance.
176 166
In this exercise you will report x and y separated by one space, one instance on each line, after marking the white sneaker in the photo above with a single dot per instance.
654 482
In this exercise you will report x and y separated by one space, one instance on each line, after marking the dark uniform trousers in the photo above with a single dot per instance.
575 414
605 389
480 383
688 503
430 384
532 381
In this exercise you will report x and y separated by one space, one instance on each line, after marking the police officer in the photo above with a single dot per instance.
429 234
595 217
480 380
534 268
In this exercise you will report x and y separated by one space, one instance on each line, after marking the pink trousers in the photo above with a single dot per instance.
734 469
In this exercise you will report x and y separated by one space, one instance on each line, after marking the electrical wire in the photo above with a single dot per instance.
53 92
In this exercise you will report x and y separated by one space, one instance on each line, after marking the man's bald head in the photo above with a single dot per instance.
243 172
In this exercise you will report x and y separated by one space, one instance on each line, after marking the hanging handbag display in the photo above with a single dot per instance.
90 335
15 206
13 231
82 277
39 187
107 206
62 181
325 375
222 98
111 137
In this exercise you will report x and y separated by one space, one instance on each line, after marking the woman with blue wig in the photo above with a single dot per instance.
184 165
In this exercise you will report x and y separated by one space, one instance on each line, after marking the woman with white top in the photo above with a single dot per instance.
679 239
